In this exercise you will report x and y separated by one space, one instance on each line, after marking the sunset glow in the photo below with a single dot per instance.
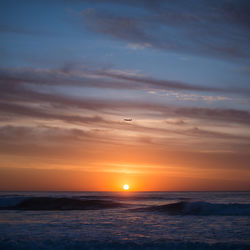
125 124
95 94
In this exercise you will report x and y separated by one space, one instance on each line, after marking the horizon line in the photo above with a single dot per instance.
127 191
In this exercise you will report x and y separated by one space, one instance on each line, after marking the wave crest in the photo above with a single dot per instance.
201 208
50 203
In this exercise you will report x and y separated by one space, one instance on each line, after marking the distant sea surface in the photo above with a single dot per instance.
128 220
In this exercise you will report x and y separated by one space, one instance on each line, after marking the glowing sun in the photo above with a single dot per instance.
126 187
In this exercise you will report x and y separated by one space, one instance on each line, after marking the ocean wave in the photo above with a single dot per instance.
200 208
130 197
50 203
184 207
12 200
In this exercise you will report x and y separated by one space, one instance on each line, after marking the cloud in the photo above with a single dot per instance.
138 46
59 102
23 99
16 78
230 115
46 140
210 28
160 84
30 134
25 86
45 113
197 132
176 122
71 147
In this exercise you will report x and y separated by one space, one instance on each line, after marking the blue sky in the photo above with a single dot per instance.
36 32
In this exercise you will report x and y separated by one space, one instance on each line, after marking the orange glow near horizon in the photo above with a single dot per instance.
140 167
171 179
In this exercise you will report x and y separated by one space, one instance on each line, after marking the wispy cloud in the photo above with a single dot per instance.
211 28
100 78
138 46
50 104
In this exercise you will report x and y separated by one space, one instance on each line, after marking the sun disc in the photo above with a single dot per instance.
126 187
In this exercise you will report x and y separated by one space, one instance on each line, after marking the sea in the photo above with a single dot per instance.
124 220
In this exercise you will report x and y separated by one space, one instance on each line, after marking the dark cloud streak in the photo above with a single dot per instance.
13 78
63 104
210 28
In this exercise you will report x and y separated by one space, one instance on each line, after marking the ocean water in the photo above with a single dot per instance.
128 220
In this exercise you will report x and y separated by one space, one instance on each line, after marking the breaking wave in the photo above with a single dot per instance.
131 198
13 200
183 207
201 208
50 203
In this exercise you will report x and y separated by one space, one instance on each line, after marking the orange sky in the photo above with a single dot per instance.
106 166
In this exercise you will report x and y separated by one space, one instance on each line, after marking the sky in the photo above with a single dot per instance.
71 71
